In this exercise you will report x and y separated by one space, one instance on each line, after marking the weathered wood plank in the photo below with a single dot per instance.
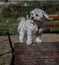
37 54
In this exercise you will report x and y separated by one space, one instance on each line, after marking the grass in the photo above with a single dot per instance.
11 24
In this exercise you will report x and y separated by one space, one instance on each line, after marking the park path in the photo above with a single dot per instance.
45 37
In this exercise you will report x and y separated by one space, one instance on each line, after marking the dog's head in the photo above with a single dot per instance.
35 17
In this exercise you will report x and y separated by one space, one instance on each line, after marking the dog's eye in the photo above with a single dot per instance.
37 15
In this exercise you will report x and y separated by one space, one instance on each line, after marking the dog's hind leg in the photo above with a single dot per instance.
21 35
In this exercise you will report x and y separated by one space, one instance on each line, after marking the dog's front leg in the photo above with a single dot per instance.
21 35
29 37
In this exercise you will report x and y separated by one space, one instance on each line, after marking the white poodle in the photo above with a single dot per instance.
30 26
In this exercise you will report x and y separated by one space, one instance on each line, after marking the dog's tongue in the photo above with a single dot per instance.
37 23
33 22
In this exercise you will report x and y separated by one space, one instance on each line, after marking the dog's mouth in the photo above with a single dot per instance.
36 21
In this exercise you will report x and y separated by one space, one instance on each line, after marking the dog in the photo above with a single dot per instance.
34 23
27 26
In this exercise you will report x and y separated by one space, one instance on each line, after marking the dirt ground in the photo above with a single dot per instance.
5 57
45 38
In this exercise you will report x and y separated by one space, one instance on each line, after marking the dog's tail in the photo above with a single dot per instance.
20 21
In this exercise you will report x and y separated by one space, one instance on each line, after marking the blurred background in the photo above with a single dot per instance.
10 10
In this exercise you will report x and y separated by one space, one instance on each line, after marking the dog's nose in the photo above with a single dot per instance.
32 18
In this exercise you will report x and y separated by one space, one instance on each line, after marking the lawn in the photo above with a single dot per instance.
12 27
11 24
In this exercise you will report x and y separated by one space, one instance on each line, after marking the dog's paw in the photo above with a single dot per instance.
29 42
38 40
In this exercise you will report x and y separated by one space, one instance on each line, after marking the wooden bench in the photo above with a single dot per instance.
52 25
55 16
46 53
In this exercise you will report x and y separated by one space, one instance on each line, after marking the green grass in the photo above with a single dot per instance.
52 29
13 29
13 24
